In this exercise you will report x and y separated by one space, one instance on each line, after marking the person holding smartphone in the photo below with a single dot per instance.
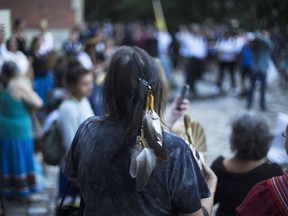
179 106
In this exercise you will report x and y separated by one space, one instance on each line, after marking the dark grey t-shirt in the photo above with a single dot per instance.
176 185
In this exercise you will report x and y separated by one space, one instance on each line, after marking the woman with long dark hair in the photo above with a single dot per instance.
119 165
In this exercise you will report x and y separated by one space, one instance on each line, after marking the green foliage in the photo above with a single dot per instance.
249 13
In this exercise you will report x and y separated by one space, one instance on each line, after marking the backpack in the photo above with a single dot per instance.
53 149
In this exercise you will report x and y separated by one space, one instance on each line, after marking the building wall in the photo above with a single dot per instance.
59 13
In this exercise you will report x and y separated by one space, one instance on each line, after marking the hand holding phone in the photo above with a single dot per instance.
183 95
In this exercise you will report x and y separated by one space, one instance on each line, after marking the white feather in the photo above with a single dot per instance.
146 162
153 133
134 153
157 125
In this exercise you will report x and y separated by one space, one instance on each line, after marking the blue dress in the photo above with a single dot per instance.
17 170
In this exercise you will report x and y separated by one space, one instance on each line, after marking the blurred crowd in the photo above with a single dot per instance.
64 85
194 49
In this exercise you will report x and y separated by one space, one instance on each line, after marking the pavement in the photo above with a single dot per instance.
213 111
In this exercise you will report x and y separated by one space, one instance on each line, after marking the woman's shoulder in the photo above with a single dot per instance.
273 168
173 142
68 104
218 163
19 86
95 121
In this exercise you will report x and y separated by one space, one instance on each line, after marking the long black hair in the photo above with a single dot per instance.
124 96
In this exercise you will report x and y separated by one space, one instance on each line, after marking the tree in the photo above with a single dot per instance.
249 13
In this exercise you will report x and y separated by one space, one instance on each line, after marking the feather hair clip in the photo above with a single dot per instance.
149 145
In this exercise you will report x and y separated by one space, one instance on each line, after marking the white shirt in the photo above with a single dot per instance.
164 40
20 59
3 55
227 49
47 44
192 45
71 114
85 60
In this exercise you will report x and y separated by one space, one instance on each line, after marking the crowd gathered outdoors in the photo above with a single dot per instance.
95 88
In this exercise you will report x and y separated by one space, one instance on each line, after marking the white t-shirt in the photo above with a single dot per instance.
47 44
20 59
3 55
85 60
227 49
71 114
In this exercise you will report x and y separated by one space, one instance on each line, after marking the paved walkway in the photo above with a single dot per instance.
213 112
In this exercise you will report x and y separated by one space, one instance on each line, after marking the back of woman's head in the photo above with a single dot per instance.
123 93
9 71
124 96
250 137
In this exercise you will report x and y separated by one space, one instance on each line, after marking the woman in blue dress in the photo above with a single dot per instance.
16 144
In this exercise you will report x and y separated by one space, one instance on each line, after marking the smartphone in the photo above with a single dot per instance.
183 95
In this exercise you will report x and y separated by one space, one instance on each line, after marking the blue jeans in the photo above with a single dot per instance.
261 76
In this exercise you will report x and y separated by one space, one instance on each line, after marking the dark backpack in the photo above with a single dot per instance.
53 149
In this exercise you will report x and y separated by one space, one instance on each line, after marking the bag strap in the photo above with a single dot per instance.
82 204
65 194
2 213
82 207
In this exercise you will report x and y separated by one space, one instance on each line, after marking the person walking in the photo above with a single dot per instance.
227 55
261 49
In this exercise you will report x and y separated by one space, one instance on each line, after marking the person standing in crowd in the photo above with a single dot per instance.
268 197
19 33
17 168
196 65
250 140
164 40
72 46
261 54
14 54
43 80
176 186
193 47
88 59
74 110
246 62
227 55
47 43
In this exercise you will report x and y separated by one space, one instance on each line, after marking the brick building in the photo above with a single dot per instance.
61 14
